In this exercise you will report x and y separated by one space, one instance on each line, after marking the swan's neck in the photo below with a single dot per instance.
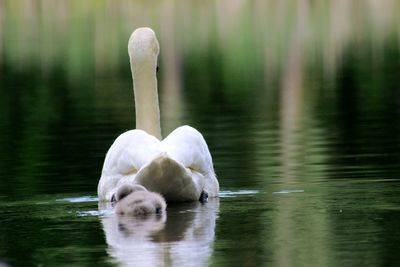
146 101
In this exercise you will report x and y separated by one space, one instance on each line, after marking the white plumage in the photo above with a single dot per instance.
178 167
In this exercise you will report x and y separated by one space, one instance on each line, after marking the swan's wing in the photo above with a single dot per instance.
180 167
187 146
129 152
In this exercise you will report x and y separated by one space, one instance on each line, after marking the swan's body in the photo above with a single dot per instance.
180 166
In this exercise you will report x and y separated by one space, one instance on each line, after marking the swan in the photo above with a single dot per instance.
179 167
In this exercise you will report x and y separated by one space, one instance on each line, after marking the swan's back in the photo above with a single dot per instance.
179 167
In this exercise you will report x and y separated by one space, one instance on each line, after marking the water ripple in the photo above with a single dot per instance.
288 191
236 193
79 199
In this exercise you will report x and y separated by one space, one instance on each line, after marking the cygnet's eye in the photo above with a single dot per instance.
158 208
157 69
113 198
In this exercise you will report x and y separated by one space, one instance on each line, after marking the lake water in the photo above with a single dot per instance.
304 130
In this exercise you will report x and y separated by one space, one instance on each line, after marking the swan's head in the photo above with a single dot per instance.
143 49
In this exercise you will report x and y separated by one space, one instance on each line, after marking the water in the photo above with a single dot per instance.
302 119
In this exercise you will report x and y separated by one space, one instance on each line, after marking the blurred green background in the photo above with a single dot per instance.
64 71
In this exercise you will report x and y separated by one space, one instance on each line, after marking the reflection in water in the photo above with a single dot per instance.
182 237
171 88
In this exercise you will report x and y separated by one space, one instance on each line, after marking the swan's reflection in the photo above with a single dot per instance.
182 237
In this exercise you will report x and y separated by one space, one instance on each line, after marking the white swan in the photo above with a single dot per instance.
180 166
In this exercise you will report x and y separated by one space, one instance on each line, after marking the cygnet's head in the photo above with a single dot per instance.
143 49
135 200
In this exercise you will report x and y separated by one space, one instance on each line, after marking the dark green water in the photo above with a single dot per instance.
306 148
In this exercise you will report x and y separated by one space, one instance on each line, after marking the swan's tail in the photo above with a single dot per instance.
171 179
